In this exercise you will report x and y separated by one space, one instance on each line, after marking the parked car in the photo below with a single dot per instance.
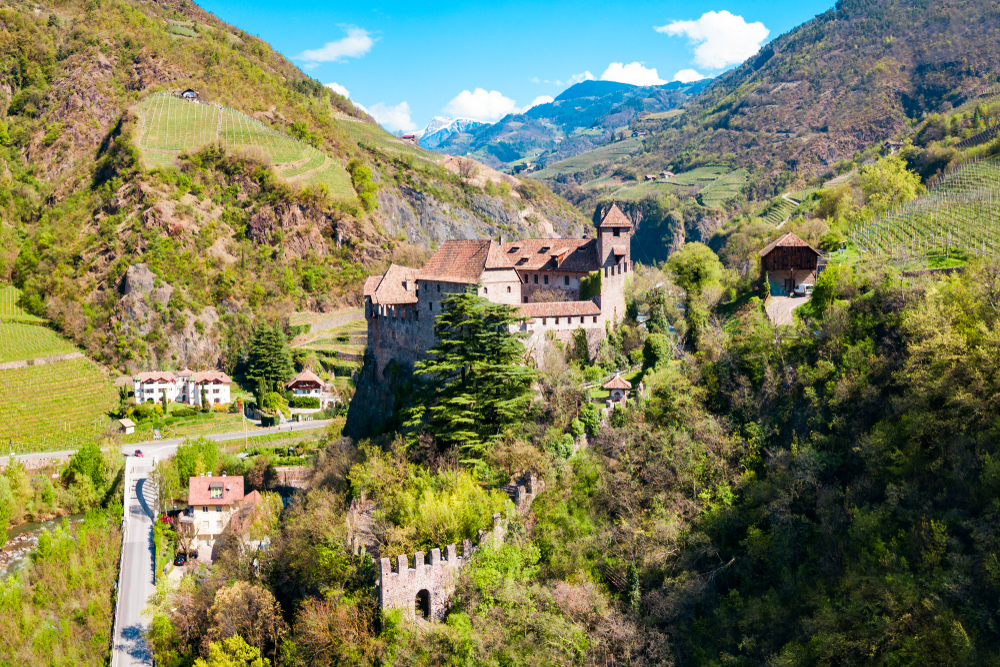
180 559
803 290
138 452
193 555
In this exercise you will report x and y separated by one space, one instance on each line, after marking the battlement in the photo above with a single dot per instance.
426 587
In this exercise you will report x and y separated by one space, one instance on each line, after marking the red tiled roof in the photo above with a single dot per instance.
619 251
398 286
199 492
464 261
156 376
210 377
187 372
304 376
371 283
787 240
617 382
530 255
615 218
559 309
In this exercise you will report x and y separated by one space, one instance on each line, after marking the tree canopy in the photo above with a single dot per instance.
269 361
476 382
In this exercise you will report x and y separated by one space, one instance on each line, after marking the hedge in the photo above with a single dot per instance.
305 402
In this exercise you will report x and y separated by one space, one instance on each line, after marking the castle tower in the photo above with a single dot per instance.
614 248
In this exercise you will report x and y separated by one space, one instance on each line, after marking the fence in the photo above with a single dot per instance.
126 505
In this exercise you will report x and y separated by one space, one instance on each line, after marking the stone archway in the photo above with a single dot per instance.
422 604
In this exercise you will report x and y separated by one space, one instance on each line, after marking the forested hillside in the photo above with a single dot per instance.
97 178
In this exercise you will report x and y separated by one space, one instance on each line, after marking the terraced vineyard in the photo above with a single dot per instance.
374 136
961 212
55 406
9 310
724 188
27 341
169 126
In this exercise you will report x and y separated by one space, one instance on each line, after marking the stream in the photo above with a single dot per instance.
21 541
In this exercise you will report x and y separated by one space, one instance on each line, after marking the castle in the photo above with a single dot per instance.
541 278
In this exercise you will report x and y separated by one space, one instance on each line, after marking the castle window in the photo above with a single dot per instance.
439 287
617 232
581 319
566 280
430 305
544 321
557 320
544 250
536 278
546 280
486 290
508 289
526 299
595 319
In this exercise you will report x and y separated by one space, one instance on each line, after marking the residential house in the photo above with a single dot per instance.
185 387
307 384
212 502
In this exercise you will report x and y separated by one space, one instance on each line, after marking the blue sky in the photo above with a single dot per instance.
408 62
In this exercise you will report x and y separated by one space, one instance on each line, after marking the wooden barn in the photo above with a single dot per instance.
788 262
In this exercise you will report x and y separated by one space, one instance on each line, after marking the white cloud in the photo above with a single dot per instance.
481 105
541 99
339 89
579 78
722 38
535 79
633 73
393 118
688 75
360 107
357 43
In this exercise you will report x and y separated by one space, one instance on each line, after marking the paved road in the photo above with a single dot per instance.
161 448
779 308
136 579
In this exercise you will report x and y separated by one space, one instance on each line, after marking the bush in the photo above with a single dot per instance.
590 416
558 444
221 407
147 412
184 412
274 402
305 402
656 351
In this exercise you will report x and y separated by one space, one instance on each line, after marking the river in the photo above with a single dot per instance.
21 541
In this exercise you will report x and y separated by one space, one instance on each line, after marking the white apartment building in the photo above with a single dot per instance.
185 387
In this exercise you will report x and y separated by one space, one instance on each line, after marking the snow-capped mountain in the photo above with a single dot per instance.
440 128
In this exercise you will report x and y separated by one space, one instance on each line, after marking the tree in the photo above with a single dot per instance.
232 652
269 362
888 184
656 351
696 267
250 611
477 384
204 399
6 504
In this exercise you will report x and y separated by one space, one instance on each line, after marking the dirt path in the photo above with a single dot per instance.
780 309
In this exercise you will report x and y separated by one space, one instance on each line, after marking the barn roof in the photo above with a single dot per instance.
464 261
304 376
787 240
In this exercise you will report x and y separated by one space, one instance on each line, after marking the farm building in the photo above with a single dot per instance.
666 175
126 426
650 177
410 138
788 262
189 94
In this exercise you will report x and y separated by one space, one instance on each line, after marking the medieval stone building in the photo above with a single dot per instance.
558 285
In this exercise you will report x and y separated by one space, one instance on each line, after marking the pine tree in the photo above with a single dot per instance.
477 385
269 360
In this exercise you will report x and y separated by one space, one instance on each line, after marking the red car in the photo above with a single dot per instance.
138 452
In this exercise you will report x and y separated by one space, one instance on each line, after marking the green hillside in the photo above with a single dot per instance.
961 213
9 309
169 126
26 341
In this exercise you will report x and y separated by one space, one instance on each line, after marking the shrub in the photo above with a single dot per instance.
305 402
656 351
274 402
590 417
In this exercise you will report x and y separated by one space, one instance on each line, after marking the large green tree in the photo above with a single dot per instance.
477 385
269 362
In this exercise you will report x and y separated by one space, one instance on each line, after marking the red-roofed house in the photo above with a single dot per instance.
212 502
789 261
619 387
185 387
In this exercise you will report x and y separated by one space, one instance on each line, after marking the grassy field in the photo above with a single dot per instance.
28 341
169 126
715 185
55 406
9 310
190 427
375 137
588 160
